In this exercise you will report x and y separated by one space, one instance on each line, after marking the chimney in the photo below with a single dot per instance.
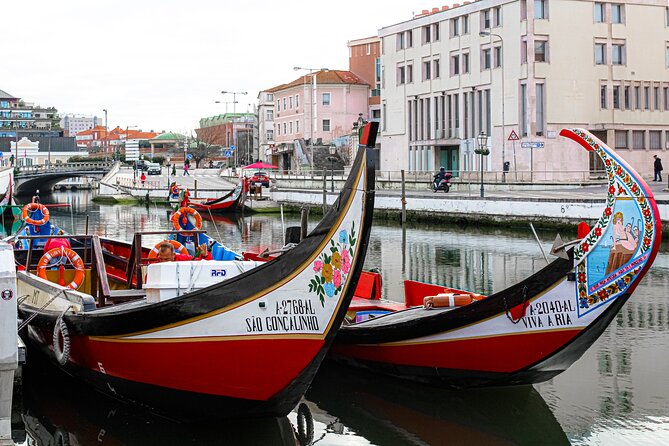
435 10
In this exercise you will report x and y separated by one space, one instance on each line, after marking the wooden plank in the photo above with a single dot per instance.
99 264
129 271
138 260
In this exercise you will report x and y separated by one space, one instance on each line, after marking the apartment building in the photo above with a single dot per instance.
26 119
73 124
265 125
364 59
531 67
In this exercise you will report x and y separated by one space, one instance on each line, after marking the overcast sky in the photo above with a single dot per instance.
161 64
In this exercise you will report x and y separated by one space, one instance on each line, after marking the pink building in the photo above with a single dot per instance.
313 110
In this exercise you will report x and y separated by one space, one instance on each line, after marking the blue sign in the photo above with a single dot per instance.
228 153
232 147
532 145
190 156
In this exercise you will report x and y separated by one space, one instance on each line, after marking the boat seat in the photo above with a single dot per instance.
118 296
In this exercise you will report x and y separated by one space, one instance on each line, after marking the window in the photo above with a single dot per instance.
409 74
465 63
523 10
455 65
666 98
297 101
603 104
600 14
541 51
284 128
278 105
326 125
540 9
617 13
427 34
455 27
400 41
297 126
465 24
377 90
269 114
666 56
270 97
523 50
523 110
655 139
436 69
616 96
621 139
497 12
409 38
656 97
290 102
284 103
626 97
600 53
497 56
326 98
637 97
646 98
427 74
485 19
436 33
638 140
618 54
290 127
401 75
486 63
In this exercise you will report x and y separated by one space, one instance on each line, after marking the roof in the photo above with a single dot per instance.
97 128
169 136
323 77
5 95
56 144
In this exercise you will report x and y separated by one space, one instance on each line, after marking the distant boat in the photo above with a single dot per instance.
527 333
229 203
246 343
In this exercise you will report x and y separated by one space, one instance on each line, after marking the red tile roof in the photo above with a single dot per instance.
328 77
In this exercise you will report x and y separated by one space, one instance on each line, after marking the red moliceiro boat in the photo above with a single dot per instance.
229 203
528 332
246 346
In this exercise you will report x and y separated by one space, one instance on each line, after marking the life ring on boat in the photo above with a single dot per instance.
183 212
61 333
174 189
58 253
445 300
32 207
178 248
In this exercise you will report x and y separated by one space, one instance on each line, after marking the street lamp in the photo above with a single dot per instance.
489 34
234 98
333 150
312 116
226 104
105 141
482 150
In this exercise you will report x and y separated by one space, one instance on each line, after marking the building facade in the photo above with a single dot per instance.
24 119
364 59
528 66
265 124
231 131
73 124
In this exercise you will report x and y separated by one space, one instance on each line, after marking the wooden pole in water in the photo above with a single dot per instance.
303 222
404 200
325 193
195 182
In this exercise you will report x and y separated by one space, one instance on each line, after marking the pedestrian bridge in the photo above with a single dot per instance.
28 179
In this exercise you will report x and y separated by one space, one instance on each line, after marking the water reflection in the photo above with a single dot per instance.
617 393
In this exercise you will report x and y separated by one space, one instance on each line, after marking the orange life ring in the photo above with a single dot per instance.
174 189
31 207
450 300
184 211
178 247
73 257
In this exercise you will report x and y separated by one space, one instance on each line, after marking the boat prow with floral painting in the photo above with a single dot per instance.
528 332
202 338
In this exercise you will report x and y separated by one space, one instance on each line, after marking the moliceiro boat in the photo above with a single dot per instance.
248 343
528 332
228 203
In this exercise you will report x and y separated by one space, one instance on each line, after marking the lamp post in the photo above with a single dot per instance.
313 72
333 150
489 34
226 104
234 98
168 173
482 150
105 147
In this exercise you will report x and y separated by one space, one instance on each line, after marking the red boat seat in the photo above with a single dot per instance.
369 286
415 292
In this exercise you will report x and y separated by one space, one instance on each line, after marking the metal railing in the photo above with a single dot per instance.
65 167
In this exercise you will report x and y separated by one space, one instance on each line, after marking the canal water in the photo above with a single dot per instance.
616 394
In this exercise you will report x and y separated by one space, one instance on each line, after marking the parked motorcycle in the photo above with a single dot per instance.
442 183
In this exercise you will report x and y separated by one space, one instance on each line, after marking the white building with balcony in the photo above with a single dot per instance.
265 125
537 67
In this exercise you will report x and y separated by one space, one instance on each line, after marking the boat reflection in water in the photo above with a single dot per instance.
58 410
389 411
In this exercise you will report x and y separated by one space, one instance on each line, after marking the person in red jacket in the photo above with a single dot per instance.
57 242
166 254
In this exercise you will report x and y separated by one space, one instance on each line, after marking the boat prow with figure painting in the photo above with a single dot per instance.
528 332
191 339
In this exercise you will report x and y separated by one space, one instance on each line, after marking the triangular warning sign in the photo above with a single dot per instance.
513 136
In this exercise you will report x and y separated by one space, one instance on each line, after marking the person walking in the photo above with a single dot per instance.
657 167
186 169
143 178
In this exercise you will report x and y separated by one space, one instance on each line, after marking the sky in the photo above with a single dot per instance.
161 64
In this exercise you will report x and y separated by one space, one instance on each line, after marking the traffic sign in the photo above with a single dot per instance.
190 156
228 153
532 145
232 147
513 136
